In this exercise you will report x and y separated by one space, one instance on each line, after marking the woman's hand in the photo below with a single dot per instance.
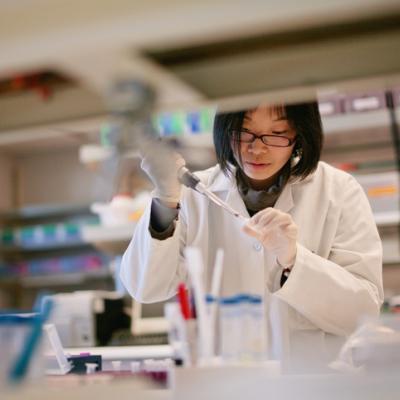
277 232
162 164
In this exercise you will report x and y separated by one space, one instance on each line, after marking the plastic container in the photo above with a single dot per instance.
382 191
243 329
122 209
20 348
374 347
7 237
230 326
28 236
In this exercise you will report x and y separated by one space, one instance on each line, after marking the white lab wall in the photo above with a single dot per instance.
391 279
57 177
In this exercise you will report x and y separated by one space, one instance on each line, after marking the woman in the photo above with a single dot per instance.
311 245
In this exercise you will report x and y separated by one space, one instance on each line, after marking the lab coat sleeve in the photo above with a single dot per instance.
151 269
334 293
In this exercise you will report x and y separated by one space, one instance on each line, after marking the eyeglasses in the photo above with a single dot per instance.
269 140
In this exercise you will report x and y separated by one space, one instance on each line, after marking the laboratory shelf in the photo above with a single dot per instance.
42 247
362 139
8 281
63 279
40 281
364 120
387 219
40 229
44 212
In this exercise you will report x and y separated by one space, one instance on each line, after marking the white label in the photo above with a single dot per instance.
368 103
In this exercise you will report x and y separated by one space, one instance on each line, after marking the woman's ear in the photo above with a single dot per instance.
297 151
296 156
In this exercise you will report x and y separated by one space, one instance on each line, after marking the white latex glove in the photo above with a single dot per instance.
162 164
277 232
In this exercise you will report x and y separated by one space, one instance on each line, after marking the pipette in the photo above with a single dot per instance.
190 180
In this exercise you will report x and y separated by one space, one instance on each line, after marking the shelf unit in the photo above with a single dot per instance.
42 229
76 278
362 138
56 261
56 280
38 248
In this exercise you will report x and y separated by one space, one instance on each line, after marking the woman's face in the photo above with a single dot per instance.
261 163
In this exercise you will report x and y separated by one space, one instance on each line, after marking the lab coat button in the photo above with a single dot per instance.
257 246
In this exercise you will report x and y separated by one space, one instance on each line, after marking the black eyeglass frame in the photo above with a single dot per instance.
236 137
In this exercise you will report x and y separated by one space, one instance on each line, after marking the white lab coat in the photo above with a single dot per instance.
336 279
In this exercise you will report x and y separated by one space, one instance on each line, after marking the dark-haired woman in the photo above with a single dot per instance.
311 244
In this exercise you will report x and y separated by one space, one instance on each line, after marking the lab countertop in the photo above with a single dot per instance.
225 383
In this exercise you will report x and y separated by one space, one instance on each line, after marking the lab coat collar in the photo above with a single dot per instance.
285 200
218 181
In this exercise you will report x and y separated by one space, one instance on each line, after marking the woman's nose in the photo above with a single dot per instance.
257 147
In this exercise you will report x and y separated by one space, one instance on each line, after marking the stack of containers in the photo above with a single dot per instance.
184 123
382 190
45 235
243 336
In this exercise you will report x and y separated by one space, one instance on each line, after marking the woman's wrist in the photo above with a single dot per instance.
287 264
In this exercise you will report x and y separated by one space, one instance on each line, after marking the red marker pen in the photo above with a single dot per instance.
184 301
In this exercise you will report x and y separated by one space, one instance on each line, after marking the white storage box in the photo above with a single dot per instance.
383 193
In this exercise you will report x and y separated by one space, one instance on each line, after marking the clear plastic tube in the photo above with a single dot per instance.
190 180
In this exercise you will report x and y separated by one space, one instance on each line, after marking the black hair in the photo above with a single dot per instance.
304 118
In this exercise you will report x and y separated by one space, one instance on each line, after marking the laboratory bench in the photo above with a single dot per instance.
214 383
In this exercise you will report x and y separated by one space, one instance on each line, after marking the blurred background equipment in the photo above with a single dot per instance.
88 318
70 120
